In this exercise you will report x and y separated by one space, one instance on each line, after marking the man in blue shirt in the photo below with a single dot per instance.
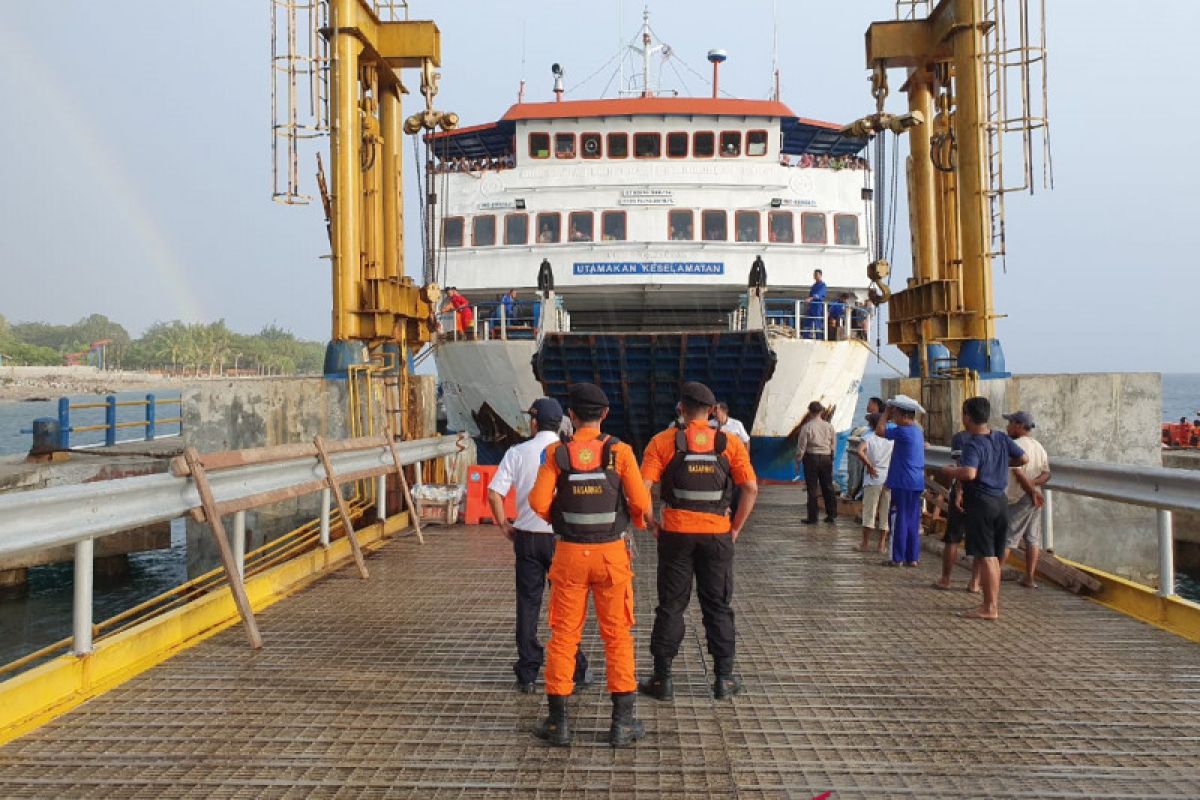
814 313
983 468
906 477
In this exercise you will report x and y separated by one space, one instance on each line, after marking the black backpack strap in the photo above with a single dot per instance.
681 442
562 457
719 443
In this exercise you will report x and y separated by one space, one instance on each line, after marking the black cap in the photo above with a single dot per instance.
698 393
586 395
547 412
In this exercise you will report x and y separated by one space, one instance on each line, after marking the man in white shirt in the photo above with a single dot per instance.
532 538
875 452
1024 513
728 424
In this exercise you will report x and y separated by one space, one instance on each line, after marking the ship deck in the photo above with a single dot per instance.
861 682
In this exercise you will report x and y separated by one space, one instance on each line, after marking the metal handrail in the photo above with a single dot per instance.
1164 489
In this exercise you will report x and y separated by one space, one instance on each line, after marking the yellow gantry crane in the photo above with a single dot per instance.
337 70
958 58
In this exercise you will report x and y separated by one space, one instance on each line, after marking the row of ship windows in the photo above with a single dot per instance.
681 227
701 144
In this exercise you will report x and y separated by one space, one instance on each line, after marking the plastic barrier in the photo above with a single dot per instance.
478 510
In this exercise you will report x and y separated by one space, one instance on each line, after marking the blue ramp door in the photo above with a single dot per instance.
641 373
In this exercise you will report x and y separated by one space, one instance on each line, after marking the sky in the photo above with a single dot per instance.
136 167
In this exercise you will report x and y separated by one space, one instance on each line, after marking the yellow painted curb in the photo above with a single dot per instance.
33 698
1172 614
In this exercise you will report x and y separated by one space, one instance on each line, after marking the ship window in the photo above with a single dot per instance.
704 144
539 145
756 143
618 145
549 228
677 145
647 145
812 229
612 226
564 145
781 227
582 226
747 226
731 143
516 229
681 225
845 229
452 232
589 145
715 225
483 231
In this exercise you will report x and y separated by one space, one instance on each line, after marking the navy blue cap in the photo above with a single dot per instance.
547 412
586 395
1021 418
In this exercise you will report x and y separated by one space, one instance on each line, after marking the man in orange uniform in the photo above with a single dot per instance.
589 490
698 468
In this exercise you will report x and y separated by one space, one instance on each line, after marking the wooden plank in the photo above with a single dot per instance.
412 507
227 560
343 509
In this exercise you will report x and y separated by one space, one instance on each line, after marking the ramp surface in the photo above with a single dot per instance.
861 683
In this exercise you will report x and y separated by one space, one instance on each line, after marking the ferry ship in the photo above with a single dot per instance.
651 240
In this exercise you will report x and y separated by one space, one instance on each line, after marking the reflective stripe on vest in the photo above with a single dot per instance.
702 497
698 477
589 519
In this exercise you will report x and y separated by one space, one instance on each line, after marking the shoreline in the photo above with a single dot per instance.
32 384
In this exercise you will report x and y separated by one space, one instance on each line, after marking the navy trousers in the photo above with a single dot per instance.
906 525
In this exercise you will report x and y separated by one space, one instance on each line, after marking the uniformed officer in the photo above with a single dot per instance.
589 490
698 469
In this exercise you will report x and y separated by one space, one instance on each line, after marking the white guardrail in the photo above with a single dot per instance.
78 514
1165 490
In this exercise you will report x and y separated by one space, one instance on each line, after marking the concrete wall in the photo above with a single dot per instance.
241 414
1112 417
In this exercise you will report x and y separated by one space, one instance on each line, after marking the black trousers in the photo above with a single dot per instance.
707 557
819 469
534 552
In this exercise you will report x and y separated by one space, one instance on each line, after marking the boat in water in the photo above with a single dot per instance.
652 239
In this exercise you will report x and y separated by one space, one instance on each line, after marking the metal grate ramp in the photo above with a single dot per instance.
860 683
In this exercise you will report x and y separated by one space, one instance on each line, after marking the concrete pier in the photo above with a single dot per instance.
861 682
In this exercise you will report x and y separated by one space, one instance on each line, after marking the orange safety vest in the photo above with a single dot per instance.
699 477
589 505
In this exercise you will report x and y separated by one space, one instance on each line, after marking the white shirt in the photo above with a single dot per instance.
879 451
519 469
1038 463
732 427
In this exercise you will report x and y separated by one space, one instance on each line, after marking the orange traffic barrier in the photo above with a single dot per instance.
478 510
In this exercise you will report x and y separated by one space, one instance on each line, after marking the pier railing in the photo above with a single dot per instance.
207 487
1165 490
152 424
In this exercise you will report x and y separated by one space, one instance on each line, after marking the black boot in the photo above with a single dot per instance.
625 729
659 685
726 684
554 728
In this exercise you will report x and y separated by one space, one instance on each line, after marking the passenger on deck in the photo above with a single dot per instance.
1025 496
464 317
860 319
837 316
816 445
532 538
906 479
812 325
698 470
987 456
875 452
507 305
681 230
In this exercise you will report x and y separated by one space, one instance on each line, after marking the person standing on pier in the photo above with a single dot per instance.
698 469
955 530
875 453
532 538
589 490
905 479
1025 496
815 445
987 456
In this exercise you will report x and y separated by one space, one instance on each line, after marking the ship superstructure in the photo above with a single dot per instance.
629 228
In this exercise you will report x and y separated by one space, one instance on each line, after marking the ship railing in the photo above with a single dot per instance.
807 319
208 486
1163 489
153 425
491 321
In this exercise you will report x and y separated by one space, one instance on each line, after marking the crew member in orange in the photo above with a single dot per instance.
698 468
589 490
